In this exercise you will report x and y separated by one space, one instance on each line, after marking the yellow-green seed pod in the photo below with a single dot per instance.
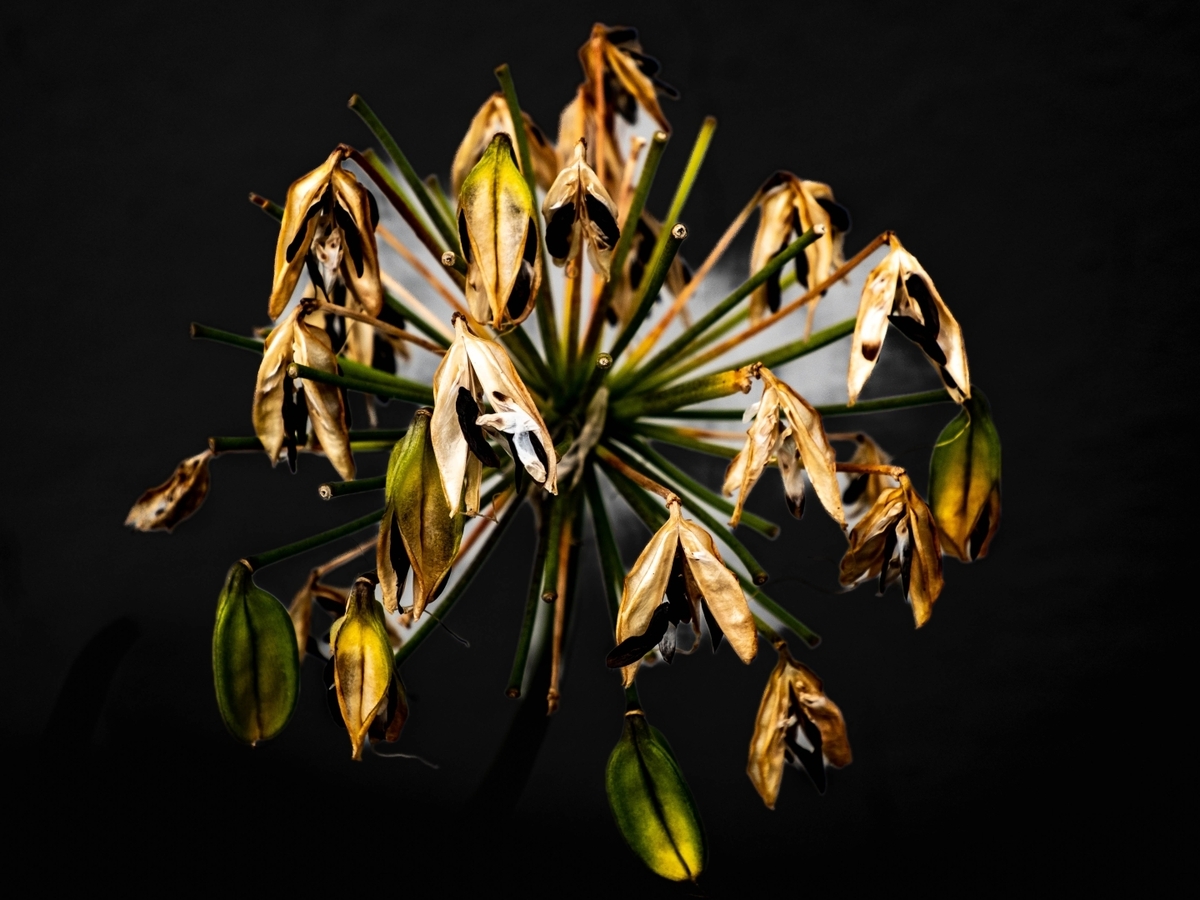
964 480
652 803
256 666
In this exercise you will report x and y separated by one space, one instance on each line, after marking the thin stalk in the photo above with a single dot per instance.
698 390
205 333
560 615
652 281
332 489
707 414
719 311
546 539
802 347
883 404
793 624
435 191
718 529
763 526
547 323
358 440
689 289
606 546
374 168
614 459
521 346
591 338
270 557
896 472
572 301
451 596
723 347
410 298
419 267
274 210
772 636
431 328
599 101
682 358
413 392
378 325
444 226
638 500
679 438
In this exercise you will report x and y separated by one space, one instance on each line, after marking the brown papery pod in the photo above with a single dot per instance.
273 387
450 446
645 585
719 587
326 403
578 212
330 207
924 579
863 490
165 506
363 664
864 558
492 117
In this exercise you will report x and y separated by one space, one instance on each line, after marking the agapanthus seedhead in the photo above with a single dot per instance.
166 505
579 211
651 604
652 803
328 225
796 723
369 694
964 481
494 116
419 529
897 541
630 76
499 237
789 207
256 666
900 291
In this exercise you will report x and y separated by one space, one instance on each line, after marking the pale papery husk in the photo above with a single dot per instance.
272 381
494 115
864 556
164 506
573 185
720 589
747 467
645 585
326 402
925 576
449 444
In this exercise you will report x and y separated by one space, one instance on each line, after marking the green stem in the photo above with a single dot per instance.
718 312
689 364
451 596
796 349
360 441
644 505
271 557
662 246
205 333
764 527
793 624
669 435
522 350
411 391
272 209
591 339
332 489
547 547
443 202
698 390
719 530
883 404
606 546
418 321
418 187
773 637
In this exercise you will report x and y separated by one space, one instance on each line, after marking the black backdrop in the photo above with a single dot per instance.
1032 153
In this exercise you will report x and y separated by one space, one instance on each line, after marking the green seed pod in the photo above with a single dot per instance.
964 480
256 666
652 804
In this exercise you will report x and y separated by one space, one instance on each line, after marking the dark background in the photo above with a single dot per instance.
1032 154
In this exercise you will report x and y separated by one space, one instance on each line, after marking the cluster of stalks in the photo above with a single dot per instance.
614 369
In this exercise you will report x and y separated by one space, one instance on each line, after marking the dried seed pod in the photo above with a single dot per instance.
165 506
579 211
492 117
964 481
256 667
652 804
419 528
363 665
499 238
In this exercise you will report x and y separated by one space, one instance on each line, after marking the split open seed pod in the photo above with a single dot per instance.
165 506
964 481
579 212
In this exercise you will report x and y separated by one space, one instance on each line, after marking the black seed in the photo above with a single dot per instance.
398 555
677 596
648 64
668 91
600 214
636 646
906 552
917 289
529 253
374 210
889 549
558 231
839 216
468 411
855 489
714 630
979 533
774 293
539 451
350 237
314 272
622 34
519 297
462 237
777 178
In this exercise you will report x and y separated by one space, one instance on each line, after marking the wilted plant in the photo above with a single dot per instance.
543 415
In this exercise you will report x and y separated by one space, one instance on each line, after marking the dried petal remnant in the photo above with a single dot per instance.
165 506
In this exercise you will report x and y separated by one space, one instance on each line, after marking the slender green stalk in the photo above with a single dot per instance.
698 390
443 202
773 637
412 391
332 489
669 435
418 321
606 546
649 289
522 350
271 557
685 359
547 547
763 526
272 209
360 441
644 506
720 531
205 333
884 404
707 414
451 596
420 190
718 312
793 624
796 349
591 338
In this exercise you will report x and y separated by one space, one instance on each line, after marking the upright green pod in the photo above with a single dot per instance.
964 480
652 803
256 665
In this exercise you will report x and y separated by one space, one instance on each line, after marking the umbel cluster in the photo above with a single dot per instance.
539 399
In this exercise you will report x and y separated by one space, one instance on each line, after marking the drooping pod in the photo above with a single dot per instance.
964 481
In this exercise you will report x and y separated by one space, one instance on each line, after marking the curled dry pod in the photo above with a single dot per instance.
964 481
168 504
652 803
418 527
256 667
